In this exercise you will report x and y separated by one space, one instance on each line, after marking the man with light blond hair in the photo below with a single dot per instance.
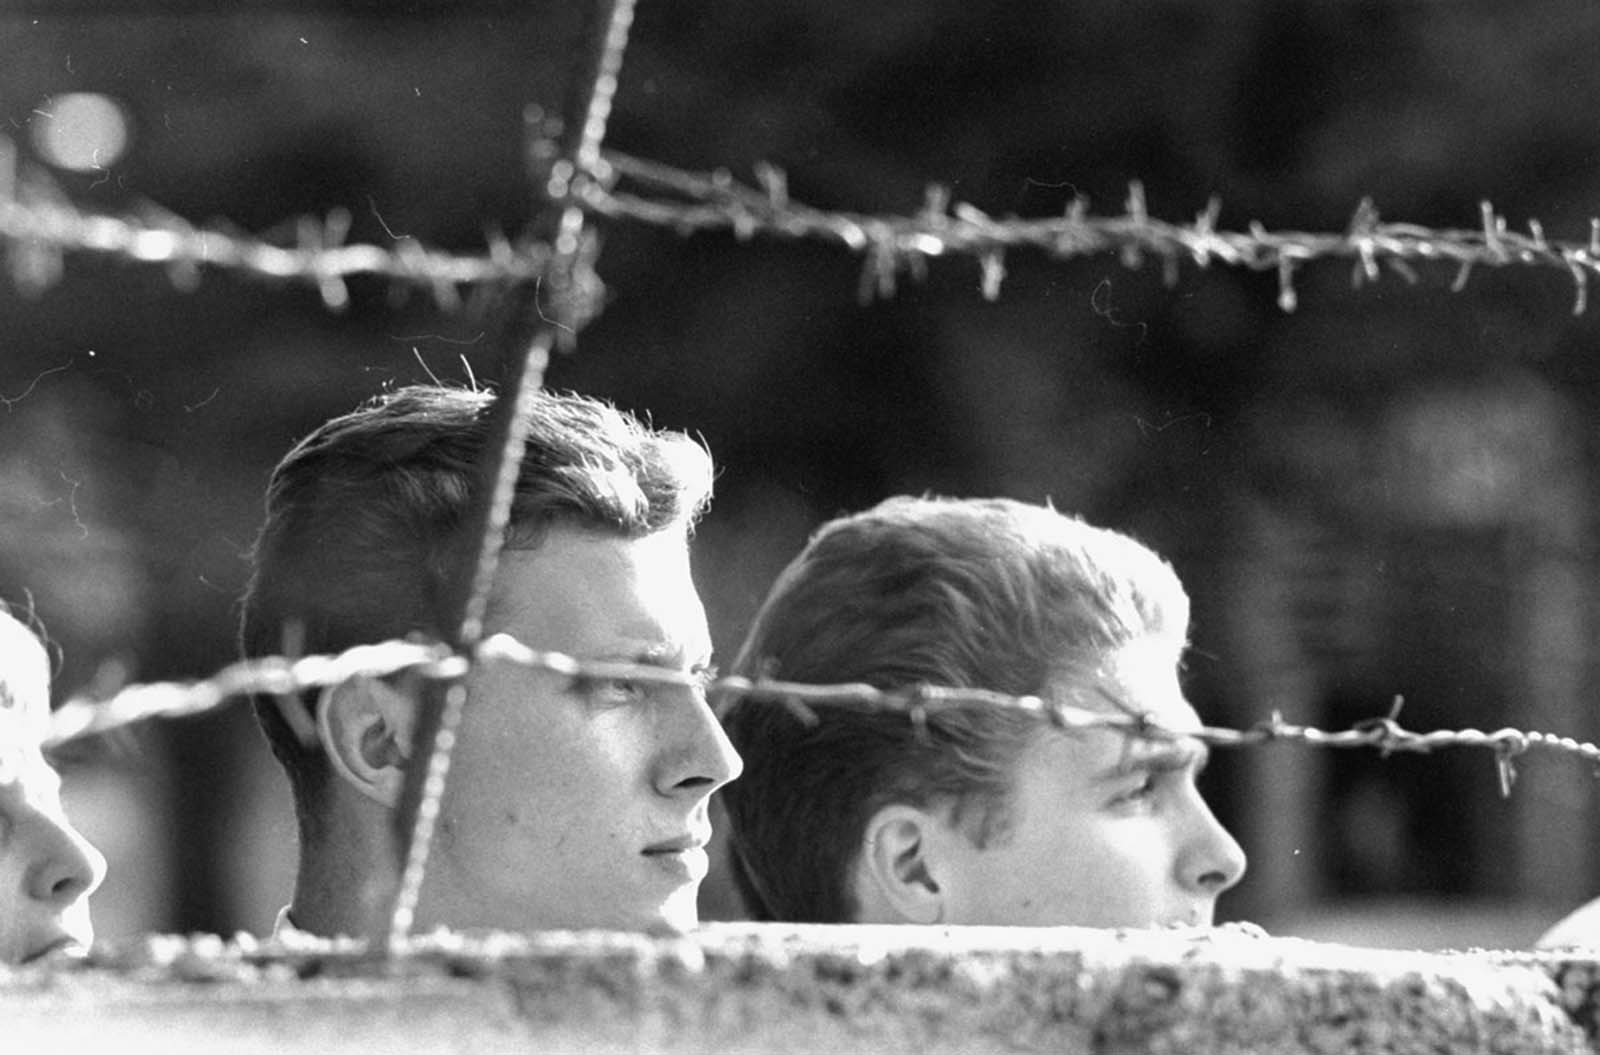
572 803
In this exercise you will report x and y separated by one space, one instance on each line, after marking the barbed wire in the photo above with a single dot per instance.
38 225
893 245
286 678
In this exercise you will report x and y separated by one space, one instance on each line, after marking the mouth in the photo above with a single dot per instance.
63 947
682 859
679 845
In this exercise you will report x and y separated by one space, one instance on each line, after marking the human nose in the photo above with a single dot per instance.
1213 860
63 866
701 758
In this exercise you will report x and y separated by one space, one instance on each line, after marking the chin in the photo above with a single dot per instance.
680 913
676 915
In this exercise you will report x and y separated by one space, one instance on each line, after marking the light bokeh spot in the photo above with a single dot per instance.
80 131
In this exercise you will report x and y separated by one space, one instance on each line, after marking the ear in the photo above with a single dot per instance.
365 726
898 875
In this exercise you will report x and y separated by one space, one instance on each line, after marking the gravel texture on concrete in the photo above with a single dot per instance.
771 988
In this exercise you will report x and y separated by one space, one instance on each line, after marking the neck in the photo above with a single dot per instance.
347 875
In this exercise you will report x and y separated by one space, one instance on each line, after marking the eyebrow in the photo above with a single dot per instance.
663 654
1158 756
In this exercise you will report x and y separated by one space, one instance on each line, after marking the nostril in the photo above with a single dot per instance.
69 888
66 869
58 884
1213 879
701 759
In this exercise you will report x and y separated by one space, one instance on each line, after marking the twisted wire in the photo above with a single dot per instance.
901 244
287 679
38 226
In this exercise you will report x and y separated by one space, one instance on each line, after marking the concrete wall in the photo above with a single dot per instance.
767 988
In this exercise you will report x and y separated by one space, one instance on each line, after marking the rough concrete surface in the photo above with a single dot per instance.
769 988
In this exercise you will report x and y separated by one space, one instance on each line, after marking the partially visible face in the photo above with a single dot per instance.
1106 830
572 808
47 870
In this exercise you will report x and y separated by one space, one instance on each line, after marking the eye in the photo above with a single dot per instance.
1139 793
615 692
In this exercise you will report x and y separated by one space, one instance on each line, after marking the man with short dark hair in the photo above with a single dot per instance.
570 803
981 814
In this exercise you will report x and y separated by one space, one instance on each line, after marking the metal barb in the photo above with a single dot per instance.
1288 300
917 710
289 703
797 707
1580 285
1508 745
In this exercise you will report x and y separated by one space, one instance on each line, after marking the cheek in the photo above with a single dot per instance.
1131 856
503 774
1070 857
12 908
569 774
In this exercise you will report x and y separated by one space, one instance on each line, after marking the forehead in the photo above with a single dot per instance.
594 593
1139 678
21 761
1136 680
24 673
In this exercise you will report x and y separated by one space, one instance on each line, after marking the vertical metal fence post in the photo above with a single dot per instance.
581 133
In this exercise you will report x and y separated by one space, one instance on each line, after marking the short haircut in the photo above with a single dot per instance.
968 593
365 536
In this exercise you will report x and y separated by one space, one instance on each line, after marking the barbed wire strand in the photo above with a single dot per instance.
899 244
38 226
605 41
82 717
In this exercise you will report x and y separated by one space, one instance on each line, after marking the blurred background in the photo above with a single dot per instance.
1389 491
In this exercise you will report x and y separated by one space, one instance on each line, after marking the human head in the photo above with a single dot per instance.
866 816
365 540
47 869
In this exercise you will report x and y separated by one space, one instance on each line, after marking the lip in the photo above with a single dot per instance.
683 858
65 945
676 845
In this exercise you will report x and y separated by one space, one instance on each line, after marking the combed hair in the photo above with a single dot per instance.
968 593
365 535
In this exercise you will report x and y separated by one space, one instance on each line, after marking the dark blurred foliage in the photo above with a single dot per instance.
1386 492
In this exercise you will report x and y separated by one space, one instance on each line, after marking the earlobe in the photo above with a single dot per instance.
898 864
365 726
